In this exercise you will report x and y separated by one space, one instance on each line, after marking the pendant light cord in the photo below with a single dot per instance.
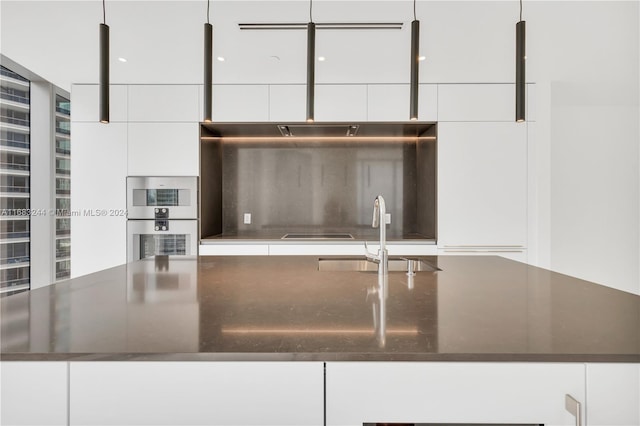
310 10
521 10
208 11
104 13
414 10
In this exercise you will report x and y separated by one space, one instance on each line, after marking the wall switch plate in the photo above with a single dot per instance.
247 218
387 218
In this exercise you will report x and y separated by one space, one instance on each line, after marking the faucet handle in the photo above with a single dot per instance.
370 255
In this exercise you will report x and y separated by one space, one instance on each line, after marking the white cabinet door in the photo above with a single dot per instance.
613 394
340 102
164 103
233 249
476 102
196 393
414 392
33 393
85 101
98 188
240 102
390 102
517 253
163 149
287 102
316 250
349 249
482 185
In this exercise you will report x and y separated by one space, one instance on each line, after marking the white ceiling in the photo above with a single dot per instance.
163 40
464 41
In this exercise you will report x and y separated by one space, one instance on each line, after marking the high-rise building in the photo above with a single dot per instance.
15 106
63 188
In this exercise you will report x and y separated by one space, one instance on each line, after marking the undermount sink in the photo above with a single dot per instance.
362 265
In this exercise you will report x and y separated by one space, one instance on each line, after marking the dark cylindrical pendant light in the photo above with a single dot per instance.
104 73
208 70
311 69
415 59
521 85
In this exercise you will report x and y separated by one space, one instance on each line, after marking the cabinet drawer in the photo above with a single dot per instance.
224 249
408 392
196 393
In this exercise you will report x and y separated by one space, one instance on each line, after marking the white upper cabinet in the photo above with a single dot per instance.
163 149
482 184
98 188
240 103
476 102
163 103
531 102
390 102
288 102
340 102
85 101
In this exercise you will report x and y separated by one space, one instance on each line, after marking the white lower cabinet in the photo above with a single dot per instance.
232 249
613 395
33 393
292 393
240 249
517 253
434 392
196 393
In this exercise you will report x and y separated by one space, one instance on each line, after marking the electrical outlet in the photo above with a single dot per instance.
387 218
247 218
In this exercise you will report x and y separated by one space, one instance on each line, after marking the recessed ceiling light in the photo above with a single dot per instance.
122 59
220 58
422 58
321 58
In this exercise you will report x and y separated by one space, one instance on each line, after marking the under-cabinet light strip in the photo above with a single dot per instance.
366 331
319 138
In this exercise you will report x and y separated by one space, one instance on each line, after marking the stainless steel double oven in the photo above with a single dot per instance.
162 216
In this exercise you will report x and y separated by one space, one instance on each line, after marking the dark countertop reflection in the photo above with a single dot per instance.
476 308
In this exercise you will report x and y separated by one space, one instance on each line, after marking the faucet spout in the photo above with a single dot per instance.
379 216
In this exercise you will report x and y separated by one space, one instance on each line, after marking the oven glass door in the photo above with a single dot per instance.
178 195
144 240
157 245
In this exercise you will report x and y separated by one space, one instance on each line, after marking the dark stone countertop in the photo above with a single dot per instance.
476 308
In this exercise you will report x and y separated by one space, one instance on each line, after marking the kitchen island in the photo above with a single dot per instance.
484 330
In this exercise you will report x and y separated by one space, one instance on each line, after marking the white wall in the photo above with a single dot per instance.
586 55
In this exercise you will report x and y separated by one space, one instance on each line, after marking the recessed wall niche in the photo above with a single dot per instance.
316 185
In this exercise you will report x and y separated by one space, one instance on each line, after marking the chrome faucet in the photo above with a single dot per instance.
379 215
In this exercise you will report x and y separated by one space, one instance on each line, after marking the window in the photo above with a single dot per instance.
15 181
63 203
15 228
15 109
63 166
63 226
63 269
